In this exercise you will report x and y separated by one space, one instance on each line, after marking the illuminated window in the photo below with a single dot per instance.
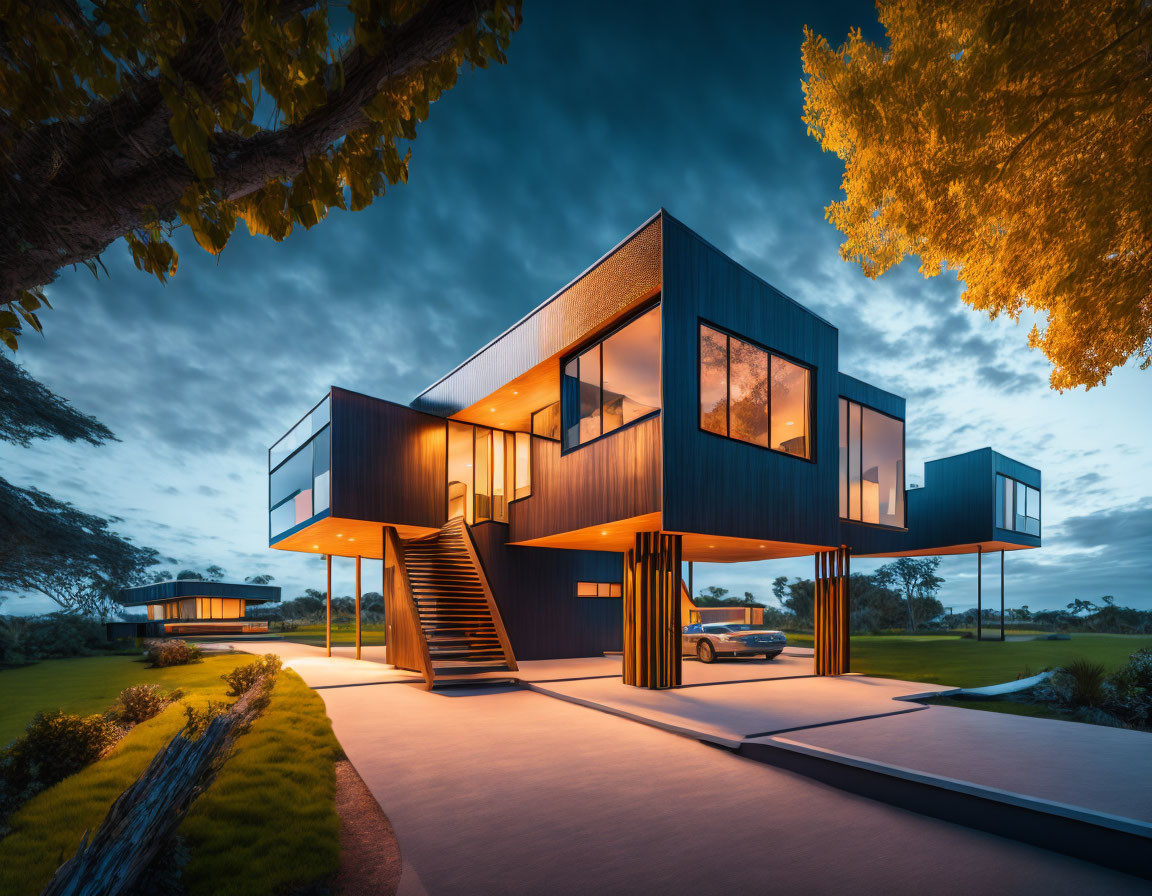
599 589
488 469
612 383
749 394
871 468
1017 506
546 422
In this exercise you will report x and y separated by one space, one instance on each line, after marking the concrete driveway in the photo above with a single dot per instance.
502 790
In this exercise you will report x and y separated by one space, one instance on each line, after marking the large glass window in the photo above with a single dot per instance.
1017 506
546 422
612 383
871 465
315 421
298 485
487 470
750 394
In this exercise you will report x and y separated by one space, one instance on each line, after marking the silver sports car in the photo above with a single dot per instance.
712 639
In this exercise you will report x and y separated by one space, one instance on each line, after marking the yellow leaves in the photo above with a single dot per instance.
21 310
151 252
210 218
1015 156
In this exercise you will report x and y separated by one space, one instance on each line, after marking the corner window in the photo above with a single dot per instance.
1017 506
612 383
749 394
298 480
546 422
871 466
488 469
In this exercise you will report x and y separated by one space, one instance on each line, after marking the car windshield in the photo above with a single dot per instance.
716 629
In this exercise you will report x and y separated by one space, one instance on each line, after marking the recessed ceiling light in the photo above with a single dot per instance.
493 410
351 539
315 545
603 531
761 545
788 423
711 545
514 392
339 534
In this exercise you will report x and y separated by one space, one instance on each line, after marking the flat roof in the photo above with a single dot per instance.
180 589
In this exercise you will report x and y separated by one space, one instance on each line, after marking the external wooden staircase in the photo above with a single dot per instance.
442 598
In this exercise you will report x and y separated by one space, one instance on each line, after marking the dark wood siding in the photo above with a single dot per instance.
872 396
956 506
535 589
389 462
717 485
614 478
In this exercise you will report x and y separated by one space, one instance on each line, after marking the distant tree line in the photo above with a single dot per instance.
899 595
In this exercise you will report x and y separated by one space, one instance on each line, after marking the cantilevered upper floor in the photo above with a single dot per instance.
665 388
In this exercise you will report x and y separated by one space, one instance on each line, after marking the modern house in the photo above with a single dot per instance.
193 607
666 406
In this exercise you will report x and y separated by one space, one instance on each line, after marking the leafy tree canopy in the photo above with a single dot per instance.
120 119
30 410
72 557
1010 142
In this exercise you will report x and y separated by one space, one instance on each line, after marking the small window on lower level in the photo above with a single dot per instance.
599 589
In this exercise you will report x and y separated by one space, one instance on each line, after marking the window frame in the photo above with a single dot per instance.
998 521
597 596
860 464
590 343
784 356
326 432
509 465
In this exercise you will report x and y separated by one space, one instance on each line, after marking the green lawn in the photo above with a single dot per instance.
965 662
1010 707
89 684
342 633
267 825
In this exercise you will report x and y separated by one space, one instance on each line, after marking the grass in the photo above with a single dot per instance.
89 684
965 662
1009 707
267 824
342 633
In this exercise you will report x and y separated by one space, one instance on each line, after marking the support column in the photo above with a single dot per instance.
652 611
979 591
328 603
357 606
831 613
1001 595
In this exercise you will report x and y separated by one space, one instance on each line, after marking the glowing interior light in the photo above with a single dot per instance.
603 531
789 423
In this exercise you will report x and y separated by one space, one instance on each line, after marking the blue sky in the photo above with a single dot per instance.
523 175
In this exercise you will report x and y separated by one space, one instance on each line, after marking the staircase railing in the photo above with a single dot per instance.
494 611
407 645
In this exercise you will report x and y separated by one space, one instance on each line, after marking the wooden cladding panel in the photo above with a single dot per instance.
389 462
832 643
406 648
720 486
534 589
621 280
617 477
652 625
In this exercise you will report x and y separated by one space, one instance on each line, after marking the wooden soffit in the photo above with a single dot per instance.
346 538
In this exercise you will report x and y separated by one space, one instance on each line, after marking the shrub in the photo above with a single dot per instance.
54 746
172 653
54 636
141 702
197 720
241 679
1086 682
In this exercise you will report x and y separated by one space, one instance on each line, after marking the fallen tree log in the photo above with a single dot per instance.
144 818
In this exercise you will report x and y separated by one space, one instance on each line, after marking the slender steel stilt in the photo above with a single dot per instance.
979 591
328 602
1001 595
357 606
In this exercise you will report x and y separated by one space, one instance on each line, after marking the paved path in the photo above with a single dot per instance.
507 791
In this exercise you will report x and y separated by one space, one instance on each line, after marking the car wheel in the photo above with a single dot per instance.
705 652
770 656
